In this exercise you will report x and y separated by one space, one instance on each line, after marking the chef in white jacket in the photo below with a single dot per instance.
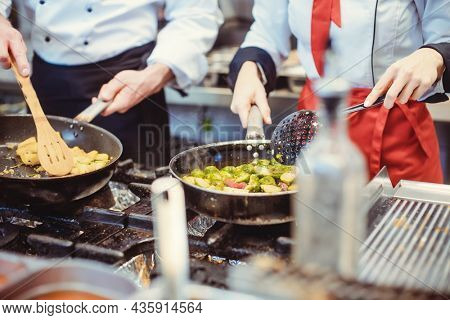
112 49
392 47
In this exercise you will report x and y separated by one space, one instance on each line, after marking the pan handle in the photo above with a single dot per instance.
255 129
93 110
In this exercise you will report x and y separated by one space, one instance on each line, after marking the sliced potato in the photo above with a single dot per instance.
92 155
102 157
83 162
30 159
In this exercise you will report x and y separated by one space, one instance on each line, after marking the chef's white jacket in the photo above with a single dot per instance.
76 32
374 34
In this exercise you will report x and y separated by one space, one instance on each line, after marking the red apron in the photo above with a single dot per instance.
403 138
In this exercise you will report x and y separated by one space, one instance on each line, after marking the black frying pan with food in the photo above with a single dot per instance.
22 189
246 209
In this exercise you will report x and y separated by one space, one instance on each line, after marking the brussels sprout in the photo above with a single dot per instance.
263 162
197 173
268 188
262 171
243 177
267 180
287 177
246 168
253 184
228 169
210 169
215 176
225 174
202 183
293 187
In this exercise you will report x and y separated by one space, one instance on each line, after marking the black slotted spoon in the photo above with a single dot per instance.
297 130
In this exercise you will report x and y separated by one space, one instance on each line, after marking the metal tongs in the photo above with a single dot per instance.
360 107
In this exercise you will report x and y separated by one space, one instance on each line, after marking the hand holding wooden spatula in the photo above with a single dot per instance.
53 153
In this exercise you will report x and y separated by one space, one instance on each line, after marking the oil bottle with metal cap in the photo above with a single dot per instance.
330 216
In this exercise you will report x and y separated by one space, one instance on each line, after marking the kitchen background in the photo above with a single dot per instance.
203 116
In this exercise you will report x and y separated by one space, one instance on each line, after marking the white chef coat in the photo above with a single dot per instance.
76 32
402 26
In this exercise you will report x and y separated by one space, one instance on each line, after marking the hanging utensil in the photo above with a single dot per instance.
53 153
88 114
296 130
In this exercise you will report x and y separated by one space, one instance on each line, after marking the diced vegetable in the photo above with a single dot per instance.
283 186
261 175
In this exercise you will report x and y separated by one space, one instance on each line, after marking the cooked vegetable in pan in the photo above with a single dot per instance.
261 175
84 162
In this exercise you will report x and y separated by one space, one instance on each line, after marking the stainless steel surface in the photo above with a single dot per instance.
41 277
409 246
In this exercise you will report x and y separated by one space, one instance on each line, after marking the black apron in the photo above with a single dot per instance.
67 90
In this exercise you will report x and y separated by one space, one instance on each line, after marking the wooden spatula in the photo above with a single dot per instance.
53 153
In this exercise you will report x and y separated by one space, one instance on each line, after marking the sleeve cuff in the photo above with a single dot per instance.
261 58
444 51
181 80
5 9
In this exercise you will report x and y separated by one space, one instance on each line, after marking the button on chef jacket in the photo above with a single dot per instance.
76 32
396 29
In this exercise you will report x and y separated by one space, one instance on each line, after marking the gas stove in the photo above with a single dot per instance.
115 226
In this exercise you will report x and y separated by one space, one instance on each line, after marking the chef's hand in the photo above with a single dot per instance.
248 91
408 78
11 41
130 87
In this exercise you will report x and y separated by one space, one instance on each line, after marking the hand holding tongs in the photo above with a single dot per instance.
361 106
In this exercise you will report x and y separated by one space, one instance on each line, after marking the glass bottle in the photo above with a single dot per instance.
331 173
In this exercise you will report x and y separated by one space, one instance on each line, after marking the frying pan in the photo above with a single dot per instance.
237 208
20 189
